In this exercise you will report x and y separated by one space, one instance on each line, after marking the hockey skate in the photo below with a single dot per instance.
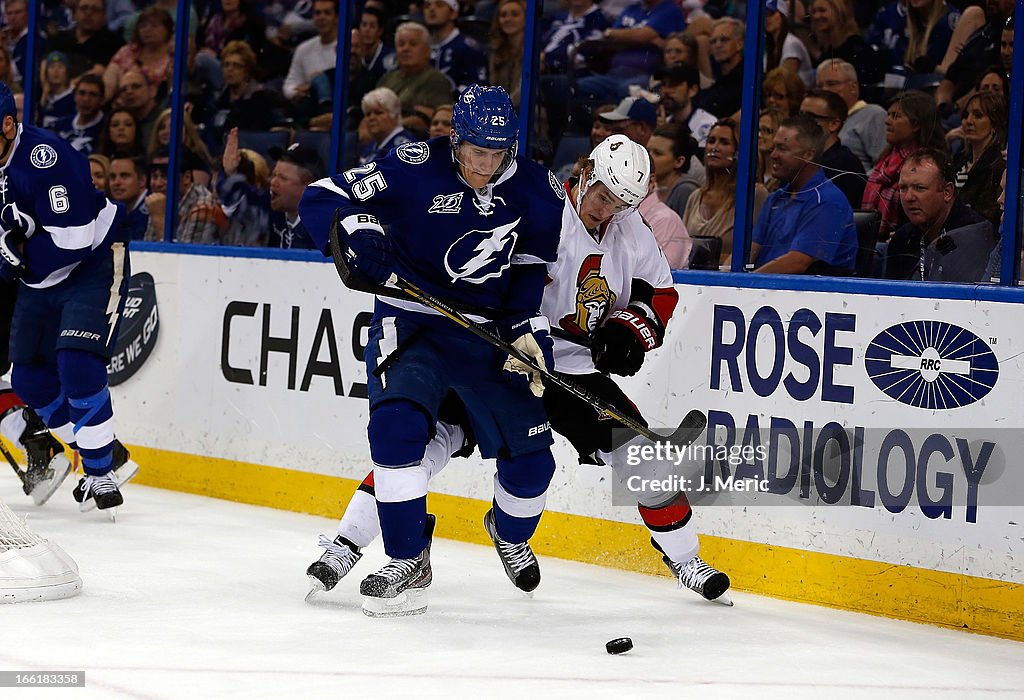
518 559
47 464
400 587
339 556
123 471
98 492
701 577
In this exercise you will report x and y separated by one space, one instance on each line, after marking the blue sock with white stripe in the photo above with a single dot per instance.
84 378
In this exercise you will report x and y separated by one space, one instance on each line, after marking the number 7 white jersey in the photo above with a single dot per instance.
591 278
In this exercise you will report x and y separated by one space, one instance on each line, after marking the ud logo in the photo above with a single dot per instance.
446 204
43 156
594 298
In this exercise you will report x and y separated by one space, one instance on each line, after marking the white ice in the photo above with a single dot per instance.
192 597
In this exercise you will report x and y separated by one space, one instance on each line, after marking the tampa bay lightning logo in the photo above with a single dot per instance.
480 255
931 365
412 153
43 156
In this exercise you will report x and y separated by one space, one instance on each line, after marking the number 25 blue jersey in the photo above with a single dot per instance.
453 242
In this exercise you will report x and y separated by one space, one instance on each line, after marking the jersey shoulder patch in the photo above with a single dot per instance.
556 185
413 153
43 156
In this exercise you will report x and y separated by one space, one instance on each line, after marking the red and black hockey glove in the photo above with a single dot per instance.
618 345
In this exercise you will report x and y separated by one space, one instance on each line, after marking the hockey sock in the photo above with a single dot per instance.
520 492
359 524
12 419
84 378
671 526
39 386
399 432
402 524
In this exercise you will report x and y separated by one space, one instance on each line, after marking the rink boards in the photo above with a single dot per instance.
864 446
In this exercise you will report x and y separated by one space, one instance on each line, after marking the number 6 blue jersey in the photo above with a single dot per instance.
46 193
463 245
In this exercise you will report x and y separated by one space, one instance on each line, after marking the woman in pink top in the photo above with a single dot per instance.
151 51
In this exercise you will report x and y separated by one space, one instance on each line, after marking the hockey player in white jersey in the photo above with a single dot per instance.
610 284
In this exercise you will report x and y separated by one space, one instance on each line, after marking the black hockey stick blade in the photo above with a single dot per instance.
690 428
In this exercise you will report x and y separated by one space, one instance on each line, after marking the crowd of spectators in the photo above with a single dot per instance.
852 94
885 106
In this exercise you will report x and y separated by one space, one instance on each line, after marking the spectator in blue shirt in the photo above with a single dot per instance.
461 58
83 128
806 226
639 26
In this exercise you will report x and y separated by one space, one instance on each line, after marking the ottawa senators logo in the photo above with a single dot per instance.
593 298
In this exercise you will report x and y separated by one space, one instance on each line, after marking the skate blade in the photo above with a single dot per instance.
44 489
315 588
411 602
126 472
724 599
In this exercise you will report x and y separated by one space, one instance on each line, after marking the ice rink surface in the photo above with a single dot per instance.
191 597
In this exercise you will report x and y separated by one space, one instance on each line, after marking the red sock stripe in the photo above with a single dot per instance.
367 484
668 517
9 400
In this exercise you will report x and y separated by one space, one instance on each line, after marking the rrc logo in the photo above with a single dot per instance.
931 364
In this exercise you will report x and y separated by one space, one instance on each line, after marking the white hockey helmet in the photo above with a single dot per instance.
623 166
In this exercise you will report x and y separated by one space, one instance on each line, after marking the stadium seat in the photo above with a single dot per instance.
705 253
571 147
867 222
263 141
319 141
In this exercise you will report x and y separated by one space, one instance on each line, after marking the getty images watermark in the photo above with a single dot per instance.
663 467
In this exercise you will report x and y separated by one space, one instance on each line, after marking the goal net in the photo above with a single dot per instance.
31 568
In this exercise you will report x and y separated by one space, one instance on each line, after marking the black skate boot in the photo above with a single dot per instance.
47 465
400 587
123 471
702 578
518 559
97 492
339 556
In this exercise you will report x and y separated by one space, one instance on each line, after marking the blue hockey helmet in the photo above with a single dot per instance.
484 116
7 105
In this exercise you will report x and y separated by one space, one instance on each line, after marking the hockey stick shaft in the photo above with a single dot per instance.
476 329
13 462
689 429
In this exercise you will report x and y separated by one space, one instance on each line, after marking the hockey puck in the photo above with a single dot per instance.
619 646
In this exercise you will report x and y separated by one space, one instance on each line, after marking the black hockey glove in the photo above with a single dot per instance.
618 345
369 250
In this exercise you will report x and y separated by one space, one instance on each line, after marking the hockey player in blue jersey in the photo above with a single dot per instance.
63 239
470 222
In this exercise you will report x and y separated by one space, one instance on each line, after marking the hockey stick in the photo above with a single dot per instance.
13 462
687 432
